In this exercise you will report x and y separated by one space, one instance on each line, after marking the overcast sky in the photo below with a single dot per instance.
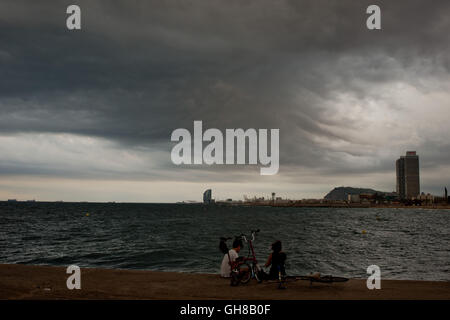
87 115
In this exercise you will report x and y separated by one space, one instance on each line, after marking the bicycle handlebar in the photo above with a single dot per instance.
243 236
253 232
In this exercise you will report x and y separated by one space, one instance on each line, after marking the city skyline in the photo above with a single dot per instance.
403 179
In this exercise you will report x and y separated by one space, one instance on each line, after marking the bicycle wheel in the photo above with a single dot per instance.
325 279
258 274
245 272
330 279
235 279
291 278
339 279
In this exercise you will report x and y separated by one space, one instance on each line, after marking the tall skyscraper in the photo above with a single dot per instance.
408 180
207 195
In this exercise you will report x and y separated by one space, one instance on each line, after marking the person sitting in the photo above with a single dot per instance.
232 255
276 261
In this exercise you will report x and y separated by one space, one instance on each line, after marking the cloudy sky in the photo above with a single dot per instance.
87 115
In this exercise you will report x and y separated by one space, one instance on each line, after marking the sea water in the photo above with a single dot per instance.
405 243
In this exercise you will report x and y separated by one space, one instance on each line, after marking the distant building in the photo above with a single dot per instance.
446 195
367 197
207 196
426 198
408 180
354 198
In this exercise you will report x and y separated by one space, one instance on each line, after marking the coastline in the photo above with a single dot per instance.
293 204
49 283
347 206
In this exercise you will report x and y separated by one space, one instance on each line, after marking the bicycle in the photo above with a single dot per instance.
324 279
311 278
249 267
243 268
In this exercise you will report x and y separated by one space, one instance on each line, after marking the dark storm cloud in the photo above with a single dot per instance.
138 70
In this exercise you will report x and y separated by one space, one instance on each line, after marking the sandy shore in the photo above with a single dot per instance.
42 282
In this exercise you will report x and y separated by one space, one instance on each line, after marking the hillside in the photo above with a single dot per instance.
341 193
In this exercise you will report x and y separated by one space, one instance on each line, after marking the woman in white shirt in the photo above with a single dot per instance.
232 255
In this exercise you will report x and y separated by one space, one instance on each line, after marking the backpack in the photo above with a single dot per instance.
223 245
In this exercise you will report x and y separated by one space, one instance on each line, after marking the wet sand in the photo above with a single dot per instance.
43 282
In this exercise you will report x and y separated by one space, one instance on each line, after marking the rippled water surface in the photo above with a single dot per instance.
405 243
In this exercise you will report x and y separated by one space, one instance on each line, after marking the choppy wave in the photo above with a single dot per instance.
406 244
